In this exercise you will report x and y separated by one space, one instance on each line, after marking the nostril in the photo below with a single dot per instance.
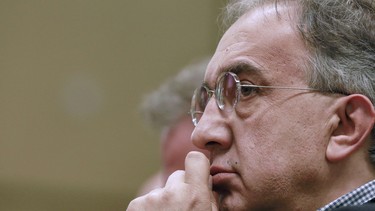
210 144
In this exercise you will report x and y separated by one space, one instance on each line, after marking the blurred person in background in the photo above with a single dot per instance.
167 110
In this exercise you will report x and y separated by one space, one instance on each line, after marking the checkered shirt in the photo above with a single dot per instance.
359 196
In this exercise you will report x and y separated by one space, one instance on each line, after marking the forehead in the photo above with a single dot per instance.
266 41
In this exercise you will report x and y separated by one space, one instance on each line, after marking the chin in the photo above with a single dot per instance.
233 202
229 202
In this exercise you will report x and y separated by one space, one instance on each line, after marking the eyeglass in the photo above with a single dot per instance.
227 93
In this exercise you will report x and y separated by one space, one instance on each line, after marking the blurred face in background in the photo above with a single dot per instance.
175 144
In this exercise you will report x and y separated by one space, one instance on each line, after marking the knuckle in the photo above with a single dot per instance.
134 205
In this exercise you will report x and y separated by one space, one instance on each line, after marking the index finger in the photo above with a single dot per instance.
197 169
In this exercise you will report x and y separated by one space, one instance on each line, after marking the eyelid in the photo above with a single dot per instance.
246 82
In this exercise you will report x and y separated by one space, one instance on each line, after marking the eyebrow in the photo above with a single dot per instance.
240 67
237 67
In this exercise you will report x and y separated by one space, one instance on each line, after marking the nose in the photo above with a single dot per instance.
212 131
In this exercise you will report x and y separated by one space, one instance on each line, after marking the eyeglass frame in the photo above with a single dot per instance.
216 91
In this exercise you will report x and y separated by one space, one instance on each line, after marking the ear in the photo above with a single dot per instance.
356 116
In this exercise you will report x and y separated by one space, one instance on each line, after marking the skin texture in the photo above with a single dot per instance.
279 149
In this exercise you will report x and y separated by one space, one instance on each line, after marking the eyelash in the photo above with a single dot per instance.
247 91
250 90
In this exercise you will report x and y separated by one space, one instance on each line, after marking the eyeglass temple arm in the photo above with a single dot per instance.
279 87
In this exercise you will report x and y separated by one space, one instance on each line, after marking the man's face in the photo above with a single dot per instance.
269 153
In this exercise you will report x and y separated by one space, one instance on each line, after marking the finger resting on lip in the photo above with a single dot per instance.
176 177
197 169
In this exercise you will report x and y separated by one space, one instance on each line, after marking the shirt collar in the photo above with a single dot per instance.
361 195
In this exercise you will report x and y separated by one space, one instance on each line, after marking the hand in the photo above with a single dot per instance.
185 190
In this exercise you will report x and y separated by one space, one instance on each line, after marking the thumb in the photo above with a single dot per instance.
197 169
197 173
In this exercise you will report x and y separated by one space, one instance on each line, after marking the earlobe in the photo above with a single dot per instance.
352 125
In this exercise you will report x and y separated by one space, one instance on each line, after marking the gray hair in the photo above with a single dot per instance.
340 35
171 101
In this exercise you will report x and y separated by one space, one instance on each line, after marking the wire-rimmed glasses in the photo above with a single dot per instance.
227 93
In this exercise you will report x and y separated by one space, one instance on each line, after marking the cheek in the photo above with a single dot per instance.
274 142
290 135
294 121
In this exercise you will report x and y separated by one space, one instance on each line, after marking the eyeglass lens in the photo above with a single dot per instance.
225 94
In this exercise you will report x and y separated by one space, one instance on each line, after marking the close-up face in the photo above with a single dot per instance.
260 149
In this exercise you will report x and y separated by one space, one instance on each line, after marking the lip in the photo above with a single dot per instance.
221 176
219 170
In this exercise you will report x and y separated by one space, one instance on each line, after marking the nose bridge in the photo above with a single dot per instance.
212 93
212 129
212 108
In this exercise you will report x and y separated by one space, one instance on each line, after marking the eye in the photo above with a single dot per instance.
247 89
